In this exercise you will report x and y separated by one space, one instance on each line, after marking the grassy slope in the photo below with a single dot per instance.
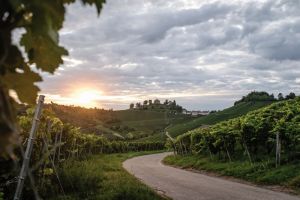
133 115
103 177
260 172
150 122
229 113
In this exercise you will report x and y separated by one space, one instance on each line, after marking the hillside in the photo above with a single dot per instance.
147 123
142 122
124 124
228 113
262 146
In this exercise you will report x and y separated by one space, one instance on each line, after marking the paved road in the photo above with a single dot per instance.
185 185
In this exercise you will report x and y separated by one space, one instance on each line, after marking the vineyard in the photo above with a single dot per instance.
213 118
55 145
251 137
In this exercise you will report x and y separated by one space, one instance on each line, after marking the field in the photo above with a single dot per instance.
229 113
146 121
104 178
123 124
150 125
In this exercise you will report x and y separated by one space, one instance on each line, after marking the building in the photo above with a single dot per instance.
195 113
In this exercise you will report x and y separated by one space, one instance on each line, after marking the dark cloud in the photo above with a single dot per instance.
204 54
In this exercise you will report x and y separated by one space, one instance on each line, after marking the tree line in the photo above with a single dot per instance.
156 104
264 96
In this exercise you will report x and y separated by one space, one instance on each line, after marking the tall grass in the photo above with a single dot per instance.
102 177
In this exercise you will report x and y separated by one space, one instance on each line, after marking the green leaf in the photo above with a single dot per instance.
98 4
23 84
14 59
43 51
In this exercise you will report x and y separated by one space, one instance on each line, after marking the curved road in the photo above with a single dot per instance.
185 185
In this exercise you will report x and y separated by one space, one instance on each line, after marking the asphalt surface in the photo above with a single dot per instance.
180 184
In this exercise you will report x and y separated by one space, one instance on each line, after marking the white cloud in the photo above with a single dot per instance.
166 47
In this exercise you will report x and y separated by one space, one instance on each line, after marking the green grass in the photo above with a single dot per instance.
143 121
149 122
137 115
229 113
102 177
287 175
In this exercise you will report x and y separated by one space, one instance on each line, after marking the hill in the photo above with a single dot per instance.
147 123
262 146
237 110
124 124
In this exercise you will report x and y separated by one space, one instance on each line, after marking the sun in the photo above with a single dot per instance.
87 98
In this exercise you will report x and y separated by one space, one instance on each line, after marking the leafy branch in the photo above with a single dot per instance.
41 21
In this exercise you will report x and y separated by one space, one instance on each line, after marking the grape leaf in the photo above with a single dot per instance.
43 51
98 4
23 84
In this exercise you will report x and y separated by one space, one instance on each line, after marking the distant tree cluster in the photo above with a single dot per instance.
264 96
156 105
292 95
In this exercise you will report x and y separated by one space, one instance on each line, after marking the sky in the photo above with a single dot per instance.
205 54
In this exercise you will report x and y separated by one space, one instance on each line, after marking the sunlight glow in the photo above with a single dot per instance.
86 98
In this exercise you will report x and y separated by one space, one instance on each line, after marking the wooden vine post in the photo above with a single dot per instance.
60 135
26 159
173 142
278 149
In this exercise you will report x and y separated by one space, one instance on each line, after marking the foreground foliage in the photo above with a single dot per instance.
21 68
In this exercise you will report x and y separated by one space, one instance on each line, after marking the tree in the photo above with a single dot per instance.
150 102
156 102
138 105
256 96
41 21
145 102
292 95
166 102
174 103
131 106
280 97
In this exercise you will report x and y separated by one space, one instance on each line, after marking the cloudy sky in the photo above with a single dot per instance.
205 54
